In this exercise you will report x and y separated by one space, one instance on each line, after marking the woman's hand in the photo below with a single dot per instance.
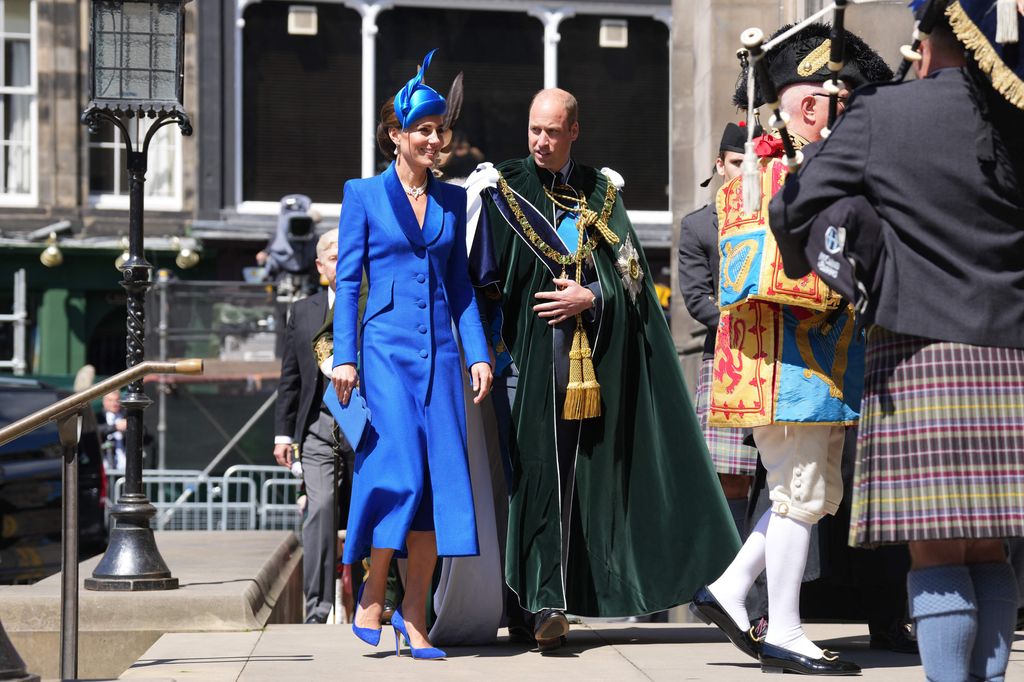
345 378
483 377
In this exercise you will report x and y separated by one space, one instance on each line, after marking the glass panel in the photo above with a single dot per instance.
17 159
108 49
163 86
160 181
108 84
132 124
17 130
166 19
137 17
122 173
136 84
17 64
17 121
101 170
165 53
106 16
136 51
16 16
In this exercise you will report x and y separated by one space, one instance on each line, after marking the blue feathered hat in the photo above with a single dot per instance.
991 30
416 99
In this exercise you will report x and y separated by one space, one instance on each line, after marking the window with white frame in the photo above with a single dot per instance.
108 172
18 164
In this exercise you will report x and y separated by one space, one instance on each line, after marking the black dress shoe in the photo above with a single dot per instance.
314 619
705 607
897 638
775 659
549 626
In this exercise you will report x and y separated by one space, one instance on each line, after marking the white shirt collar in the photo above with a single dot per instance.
330 297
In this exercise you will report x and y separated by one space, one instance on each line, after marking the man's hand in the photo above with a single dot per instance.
283 454
568 300
121 424
483 377
345 378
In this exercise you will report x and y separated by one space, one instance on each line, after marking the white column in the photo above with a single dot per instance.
369 11
551 18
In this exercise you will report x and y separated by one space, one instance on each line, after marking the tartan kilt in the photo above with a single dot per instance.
940 451
728 453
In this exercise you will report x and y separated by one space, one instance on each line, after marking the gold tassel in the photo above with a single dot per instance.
1004 80
583 394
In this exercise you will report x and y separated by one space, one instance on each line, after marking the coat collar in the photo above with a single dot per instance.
433 220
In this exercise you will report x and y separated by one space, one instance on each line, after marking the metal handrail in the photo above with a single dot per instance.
67 413
73 403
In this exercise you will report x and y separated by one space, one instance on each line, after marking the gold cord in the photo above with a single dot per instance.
583 393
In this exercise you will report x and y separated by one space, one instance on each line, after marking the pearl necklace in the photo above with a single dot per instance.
416 192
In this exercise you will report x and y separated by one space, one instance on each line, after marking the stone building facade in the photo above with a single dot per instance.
284 98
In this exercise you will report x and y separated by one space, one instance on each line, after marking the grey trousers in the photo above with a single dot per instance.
319 530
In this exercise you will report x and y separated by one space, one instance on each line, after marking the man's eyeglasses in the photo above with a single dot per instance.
842 98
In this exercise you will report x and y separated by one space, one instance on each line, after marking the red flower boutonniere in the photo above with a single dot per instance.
768 146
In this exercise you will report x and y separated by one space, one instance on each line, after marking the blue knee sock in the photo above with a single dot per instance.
995 588
942 603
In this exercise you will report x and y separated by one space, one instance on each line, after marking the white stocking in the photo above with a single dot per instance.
787 541
732 586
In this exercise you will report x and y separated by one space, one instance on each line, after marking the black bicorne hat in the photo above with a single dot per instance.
803 58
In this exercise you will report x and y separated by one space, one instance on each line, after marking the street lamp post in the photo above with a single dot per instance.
136 70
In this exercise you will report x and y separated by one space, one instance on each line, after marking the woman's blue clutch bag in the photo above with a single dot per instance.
352 418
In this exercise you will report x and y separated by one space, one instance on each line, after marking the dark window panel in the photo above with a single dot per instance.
623 94
500 53
301 104
101 170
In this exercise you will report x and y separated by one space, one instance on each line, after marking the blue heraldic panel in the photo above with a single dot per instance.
822 367
741 256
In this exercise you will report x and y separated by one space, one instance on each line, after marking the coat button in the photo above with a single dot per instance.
422 329
424 354
421 304
421 279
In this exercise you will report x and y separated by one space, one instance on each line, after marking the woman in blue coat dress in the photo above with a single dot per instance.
411 491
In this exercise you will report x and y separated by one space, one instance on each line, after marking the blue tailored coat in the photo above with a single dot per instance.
411 472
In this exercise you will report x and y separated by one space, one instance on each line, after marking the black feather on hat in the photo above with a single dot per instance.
803 58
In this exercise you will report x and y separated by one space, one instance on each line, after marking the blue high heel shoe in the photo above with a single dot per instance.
369 635
426 653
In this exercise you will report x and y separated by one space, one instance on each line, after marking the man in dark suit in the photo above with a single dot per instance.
698 282
111 423
302 419
941 162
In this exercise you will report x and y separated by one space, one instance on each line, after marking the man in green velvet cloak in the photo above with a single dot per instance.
615 508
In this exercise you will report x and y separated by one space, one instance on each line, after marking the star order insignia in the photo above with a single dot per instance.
628 264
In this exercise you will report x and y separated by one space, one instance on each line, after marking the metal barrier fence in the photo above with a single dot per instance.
244 498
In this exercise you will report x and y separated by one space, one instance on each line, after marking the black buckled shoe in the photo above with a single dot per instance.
775 659
705 607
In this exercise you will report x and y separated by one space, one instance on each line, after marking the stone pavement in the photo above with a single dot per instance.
606 651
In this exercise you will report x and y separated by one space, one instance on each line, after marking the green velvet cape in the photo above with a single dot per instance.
649 522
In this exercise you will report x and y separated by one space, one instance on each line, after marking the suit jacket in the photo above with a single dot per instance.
952 230
698 270
301 387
